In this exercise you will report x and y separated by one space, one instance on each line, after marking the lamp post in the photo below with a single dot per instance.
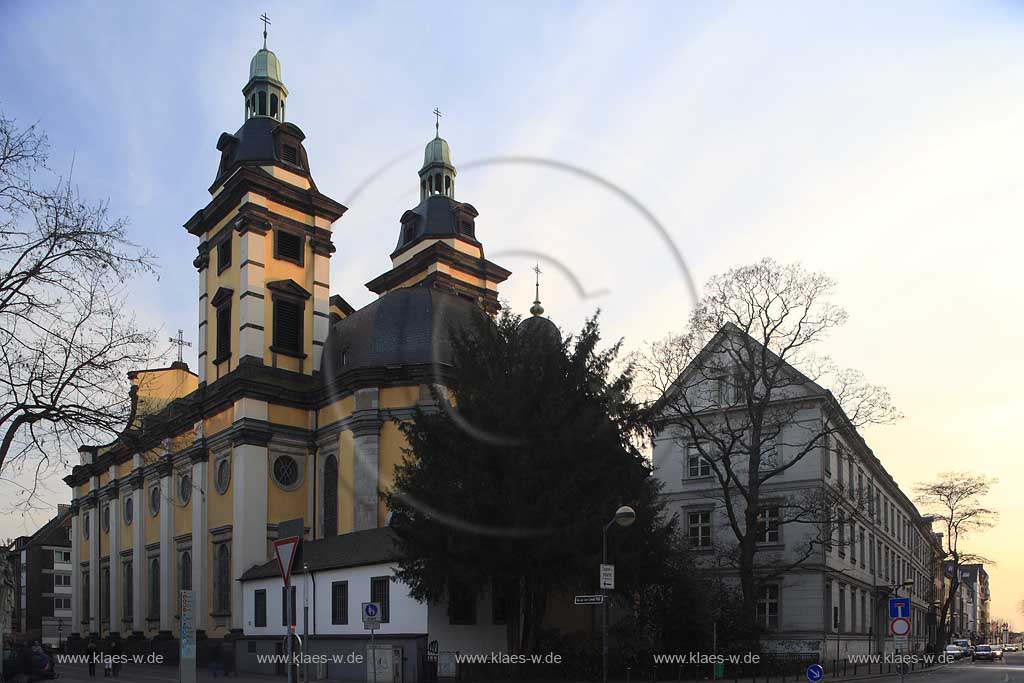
624 516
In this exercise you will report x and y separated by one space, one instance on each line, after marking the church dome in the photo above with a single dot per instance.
265 64
540 330
437 152
405 327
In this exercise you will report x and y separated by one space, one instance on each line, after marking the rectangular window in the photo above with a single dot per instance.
826 449
768 606
288 246
380 592
260 609
499 596
61 555
461 605
842 609
285 607
339 602
768 525
223 332
853 543
224 254
287 326
699 529
697 466
842 533
850 482
289 153
62 603
62 579
861 540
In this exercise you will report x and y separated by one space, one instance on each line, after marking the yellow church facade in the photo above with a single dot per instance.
294 409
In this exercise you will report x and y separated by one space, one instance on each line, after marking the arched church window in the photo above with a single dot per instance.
154 588
222 580
262 99
106 519
448 185
185 569
331 496
437 183
85 527
105 593
273 105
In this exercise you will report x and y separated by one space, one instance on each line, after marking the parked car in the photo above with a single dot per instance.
27 663
997 651
966 646
1011 647
983 652
954 651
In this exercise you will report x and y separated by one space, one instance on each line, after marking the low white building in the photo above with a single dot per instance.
331 579
835 600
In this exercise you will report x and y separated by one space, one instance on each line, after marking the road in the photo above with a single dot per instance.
1009 670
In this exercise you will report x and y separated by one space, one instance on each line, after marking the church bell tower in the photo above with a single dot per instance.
265 242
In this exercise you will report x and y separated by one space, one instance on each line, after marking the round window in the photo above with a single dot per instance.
128 510
223 477
185 488
286 471
154 500
106 518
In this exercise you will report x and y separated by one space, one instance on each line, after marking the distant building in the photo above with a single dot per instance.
970 614
835 601
42 570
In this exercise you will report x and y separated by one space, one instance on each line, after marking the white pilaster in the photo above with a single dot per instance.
114 590
138 553
76 573
200 542
204 323
249 519
94 562
321 305
167 596
251 280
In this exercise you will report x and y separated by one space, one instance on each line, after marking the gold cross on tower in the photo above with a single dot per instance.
180 342
437 122
266 22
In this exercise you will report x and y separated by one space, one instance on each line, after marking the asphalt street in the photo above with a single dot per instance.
1009 670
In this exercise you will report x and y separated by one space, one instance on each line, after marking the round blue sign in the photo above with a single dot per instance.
815 672
371 610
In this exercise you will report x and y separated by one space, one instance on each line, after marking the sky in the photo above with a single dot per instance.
880 144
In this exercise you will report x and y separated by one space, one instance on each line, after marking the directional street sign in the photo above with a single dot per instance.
285 549
589 599
371 615
815 673
607 577
899 607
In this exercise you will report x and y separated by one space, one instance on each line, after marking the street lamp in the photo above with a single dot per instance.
624 516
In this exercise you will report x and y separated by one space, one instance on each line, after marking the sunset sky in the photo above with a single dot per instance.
881 145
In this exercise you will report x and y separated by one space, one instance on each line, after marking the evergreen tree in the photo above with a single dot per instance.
506 486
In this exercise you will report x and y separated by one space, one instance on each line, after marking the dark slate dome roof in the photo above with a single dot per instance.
256 142
437 216
408 326
540 330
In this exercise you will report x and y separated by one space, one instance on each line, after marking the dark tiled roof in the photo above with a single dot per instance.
436 216
407 326
354 549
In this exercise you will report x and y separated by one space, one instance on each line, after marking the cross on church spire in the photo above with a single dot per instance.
437 122
536 309
266 22
180 343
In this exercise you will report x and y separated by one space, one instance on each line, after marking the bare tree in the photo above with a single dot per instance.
743 389
954 502
66 337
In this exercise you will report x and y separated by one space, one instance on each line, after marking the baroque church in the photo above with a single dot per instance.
292 412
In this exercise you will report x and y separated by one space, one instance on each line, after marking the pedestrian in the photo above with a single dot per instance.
90 653
115 654
108 666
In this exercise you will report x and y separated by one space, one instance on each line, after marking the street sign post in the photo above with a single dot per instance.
899 625
589 599
187 660
286 549
371 621
608 577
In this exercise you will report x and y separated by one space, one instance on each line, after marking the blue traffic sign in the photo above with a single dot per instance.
815 673
370 610
899 607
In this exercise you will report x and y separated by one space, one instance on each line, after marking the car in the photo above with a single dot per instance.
997 651
1011 647
983 652
954 651
28 663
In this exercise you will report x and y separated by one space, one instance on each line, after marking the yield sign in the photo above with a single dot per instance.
285 549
